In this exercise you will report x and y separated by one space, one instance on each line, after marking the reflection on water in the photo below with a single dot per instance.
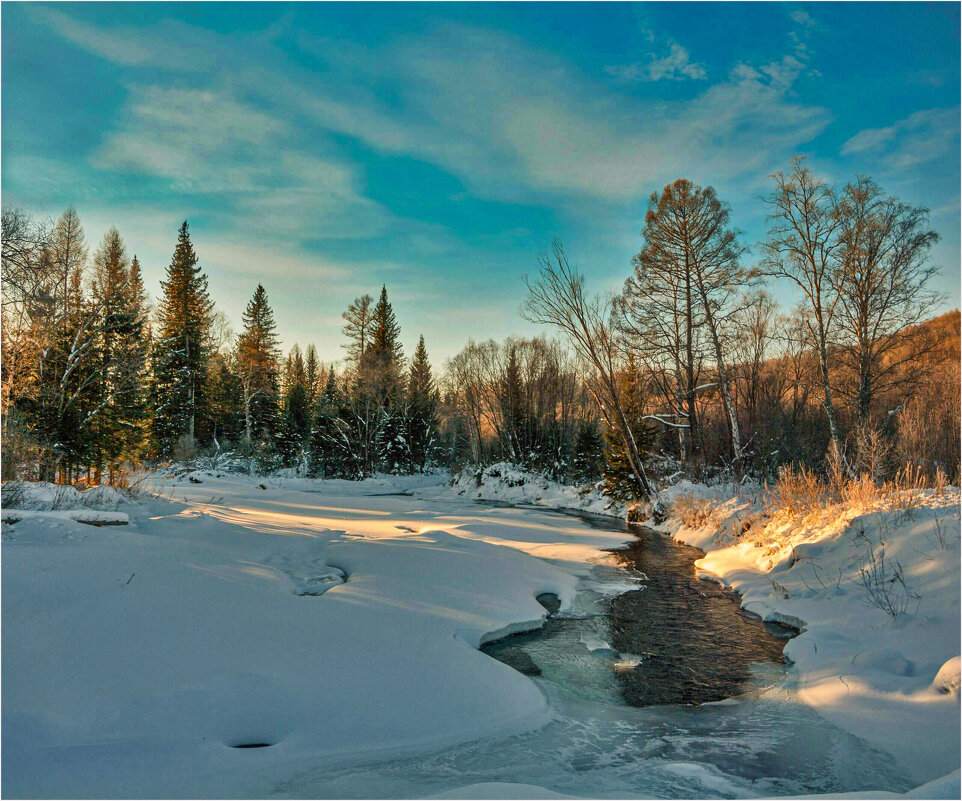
673 640
620 672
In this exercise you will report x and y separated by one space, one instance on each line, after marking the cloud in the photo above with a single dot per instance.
917 139
210 141
674 66
172 45
514 123
803 18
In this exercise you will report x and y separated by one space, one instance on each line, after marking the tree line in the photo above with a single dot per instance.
94 379
691 367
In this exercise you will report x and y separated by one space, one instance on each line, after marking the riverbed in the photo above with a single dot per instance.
660 686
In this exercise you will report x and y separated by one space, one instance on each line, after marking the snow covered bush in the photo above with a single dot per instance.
12 495
883 581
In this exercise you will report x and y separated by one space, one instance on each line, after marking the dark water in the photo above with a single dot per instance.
626 676
674 640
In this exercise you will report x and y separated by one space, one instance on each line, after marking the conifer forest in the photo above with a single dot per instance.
693 366
480 400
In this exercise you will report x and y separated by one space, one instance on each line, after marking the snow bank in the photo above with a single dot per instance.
322 620
43 496
89 516
506 483
891 679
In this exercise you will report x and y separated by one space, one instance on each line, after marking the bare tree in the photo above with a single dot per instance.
881 279
802 244
556 297
691 252
756 323
358 325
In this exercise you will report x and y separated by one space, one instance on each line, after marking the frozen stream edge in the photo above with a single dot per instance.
596 747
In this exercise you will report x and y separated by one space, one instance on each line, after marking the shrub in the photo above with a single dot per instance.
796 493
695 512
883 581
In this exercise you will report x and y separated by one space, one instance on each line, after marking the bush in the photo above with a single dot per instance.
13 494
695 512
883 581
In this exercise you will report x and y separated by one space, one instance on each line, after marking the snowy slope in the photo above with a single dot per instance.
506 483
339 621
136 656
893 681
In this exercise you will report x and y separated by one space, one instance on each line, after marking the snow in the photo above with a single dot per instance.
136 656
339 622
893 681
506 483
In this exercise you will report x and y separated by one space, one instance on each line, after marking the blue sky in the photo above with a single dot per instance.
325 149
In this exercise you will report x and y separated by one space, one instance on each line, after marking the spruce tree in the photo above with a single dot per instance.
63 325
312 375
226 400
383 381
589 456
620 481
384 357
180 351
257 369
296 426
116 430
423 400
328 451
296 411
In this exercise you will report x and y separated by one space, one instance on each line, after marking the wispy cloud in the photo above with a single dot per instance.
919 138
676 65
181 48
212 142
513 122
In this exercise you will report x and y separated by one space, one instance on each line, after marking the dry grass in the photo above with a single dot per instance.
799 492
695 512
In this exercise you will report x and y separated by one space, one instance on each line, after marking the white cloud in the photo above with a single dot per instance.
171 45
919 138
803 18
676 65
512 122
209 141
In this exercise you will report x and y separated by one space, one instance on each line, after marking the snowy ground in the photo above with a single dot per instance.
892 680
339 622
137 655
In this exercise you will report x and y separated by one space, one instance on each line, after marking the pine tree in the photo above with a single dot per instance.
620 481
257 368
423 400
312 374
589 455
382 384
181 351
296 427
384 357
226 400
116 429
58 404
329 447
296 411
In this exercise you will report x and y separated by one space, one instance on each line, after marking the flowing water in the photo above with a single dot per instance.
635 681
